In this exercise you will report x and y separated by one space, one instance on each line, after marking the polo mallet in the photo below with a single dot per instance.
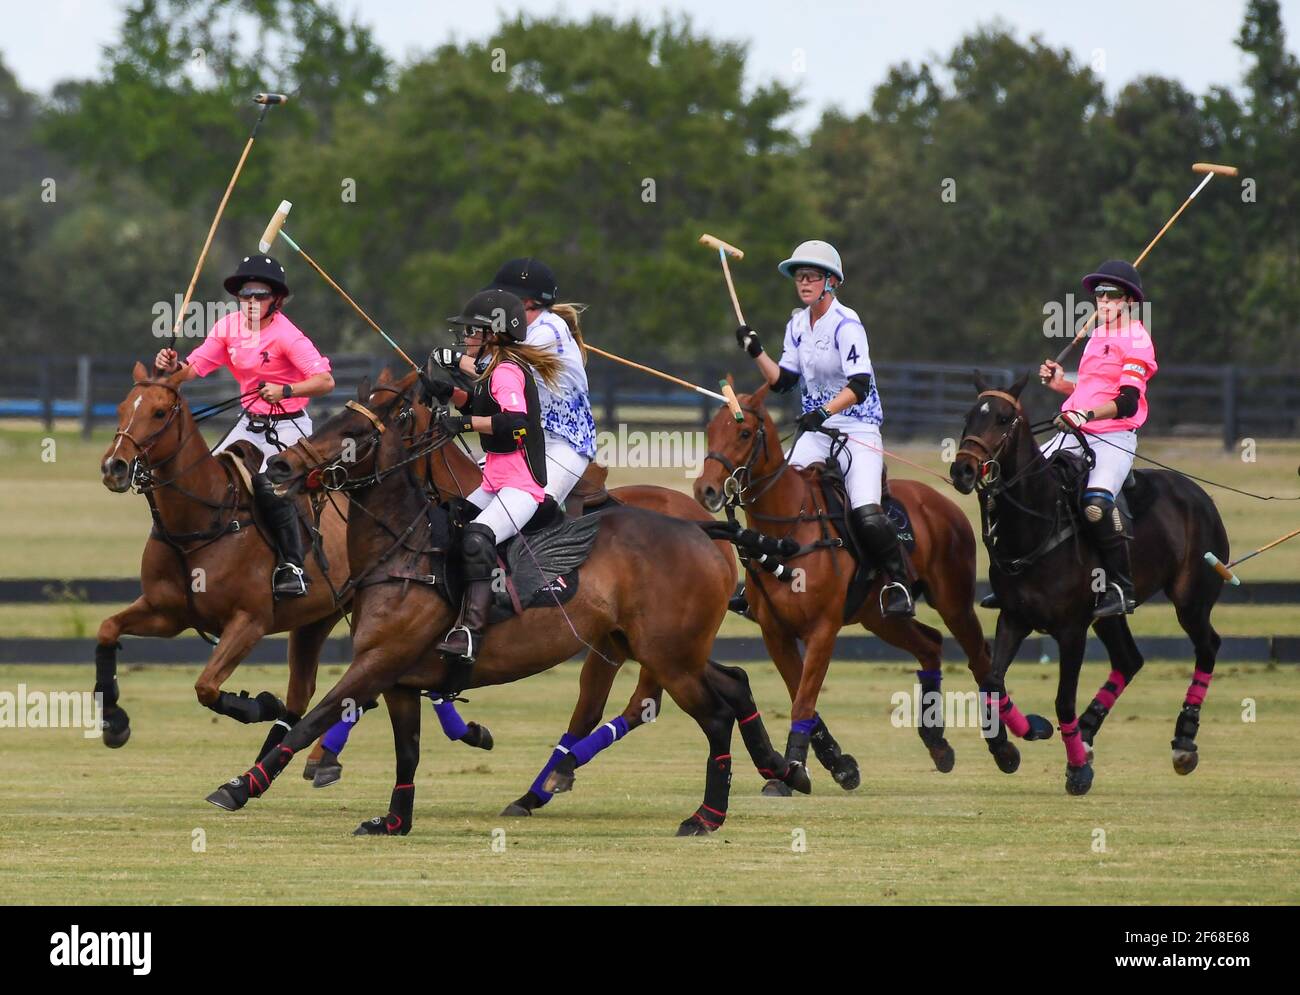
727 397
1210 170
726 249
267 100
1224 570
276 227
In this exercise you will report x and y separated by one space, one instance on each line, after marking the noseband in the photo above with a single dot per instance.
990 466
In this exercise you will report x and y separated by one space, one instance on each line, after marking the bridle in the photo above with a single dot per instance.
740 479
990 466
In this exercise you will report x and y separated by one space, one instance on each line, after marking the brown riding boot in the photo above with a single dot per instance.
478 551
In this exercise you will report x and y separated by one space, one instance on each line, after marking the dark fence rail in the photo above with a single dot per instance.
925 400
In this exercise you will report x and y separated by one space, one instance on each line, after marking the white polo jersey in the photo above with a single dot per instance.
566 409
825 356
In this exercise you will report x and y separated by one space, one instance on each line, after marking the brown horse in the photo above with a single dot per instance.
746 467
629 594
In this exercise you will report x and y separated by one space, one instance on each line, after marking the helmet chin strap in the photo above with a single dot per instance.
826 289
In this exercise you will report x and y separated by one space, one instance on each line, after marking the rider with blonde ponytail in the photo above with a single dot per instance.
503 407
553 328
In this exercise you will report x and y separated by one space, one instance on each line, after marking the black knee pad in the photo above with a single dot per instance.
1100 513
478 550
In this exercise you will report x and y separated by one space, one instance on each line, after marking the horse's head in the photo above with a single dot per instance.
354 444
151 426
738 450
988 443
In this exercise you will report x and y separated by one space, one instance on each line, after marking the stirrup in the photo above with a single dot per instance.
909 612
446 648
289 580
1126 606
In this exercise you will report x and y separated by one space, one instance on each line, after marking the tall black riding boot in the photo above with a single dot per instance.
290 577
879 538
478 551
1112 545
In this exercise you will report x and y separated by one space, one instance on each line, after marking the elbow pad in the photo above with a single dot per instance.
506 422
1126 404
860 384
786 382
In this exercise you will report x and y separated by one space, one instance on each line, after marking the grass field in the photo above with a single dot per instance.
83 824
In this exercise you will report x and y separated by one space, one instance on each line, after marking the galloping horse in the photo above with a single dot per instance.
205 565
629 593
1041 578
746 467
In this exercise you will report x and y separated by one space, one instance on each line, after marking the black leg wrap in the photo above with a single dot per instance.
796 746
106 673
931 734
759 746
1186 728
254 782
398 820
1090 721
843 767
717 790
279 730
266 707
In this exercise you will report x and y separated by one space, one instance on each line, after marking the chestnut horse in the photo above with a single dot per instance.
746 467
630 593
1042 580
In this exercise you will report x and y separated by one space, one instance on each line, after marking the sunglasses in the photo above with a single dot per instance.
1111 294
254 295
808 276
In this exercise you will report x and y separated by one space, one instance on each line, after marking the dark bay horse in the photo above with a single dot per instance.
630 593
1043 583
782 502
205 565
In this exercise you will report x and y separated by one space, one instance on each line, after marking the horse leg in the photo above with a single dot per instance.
238 636
1011 632
358 684
1195 620
1078 771
324 764
732 683
642 707
594 685
925 643
305 645
137 619
456 729
697 699
404 711
803 710
1126 661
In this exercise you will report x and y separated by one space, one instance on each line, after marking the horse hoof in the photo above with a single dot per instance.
116 726
559 781
327 774
797 777
944 757
1039 728
309 770
516 811
477 736
231 796
777 789
379 826
845 772
1185 761
273 709
1007 758
1078 779
694 827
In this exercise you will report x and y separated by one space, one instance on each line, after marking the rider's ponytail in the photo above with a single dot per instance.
568 313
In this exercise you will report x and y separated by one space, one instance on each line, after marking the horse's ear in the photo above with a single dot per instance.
363 390
760 395
178 378
978 380
1015 389
139 373
385 376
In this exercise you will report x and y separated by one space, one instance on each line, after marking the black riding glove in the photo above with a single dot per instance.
748 340
455 424
448 359
436 390
812 421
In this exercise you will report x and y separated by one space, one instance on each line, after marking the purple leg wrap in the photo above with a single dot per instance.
337 737
805 726
453 726
557 754
605 735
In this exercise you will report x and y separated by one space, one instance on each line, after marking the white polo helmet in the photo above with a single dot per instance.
817 253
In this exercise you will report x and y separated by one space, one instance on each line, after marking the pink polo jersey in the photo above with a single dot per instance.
510 469
277 354
1114 358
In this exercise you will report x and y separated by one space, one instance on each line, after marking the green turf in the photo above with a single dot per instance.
83 824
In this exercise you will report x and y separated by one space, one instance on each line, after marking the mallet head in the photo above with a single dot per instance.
270 98
273 227
1211 167
716 243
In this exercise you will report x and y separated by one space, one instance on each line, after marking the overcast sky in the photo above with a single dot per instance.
847 46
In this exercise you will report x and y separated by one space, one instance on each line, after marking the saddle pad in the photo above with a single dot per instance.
542 567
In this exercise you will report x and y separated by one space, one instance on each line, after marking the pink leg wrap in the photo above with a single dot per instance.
1012 717
1075 754
1196 690
1106 696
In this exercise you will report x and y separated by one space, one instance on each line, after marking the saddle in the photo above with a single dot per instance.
1134 499
589 492
830 477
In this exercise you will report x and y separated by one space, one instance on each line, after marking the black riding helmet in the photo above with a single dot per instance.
1119 273
261 268
527 279
498 310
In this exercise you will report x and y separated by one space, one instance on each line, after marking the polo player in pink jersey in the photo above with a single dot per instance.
279 368
505 410
1109 404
